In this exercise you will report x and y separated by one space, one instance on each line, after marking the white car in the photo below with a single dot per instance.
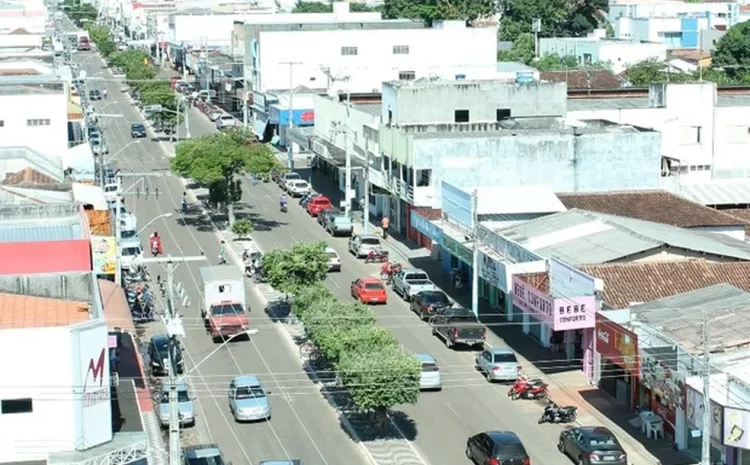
110 193
225 121
334 260
298 188
129 251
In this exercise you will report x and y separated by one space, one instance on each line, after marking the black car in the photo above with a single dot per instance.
158 353
426 303
94 132
137 130
324 214
497 448
205 454
592 445
95 95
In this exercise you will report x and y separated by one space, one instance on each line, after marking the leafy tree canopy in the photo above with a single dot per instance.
307 298
302 265
327 7
434 10
733 51
80 13
646 72
242 228
377 381
559 18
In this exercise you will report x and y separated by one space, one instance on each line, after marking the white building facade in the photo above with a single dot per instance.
617 54
65 392
34 114
28 15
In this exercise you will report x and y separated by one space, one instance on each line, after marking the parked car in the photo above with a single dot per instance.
248 401
214 114
425 303
281 462
497 448
334 261
110 192
411 281
286 177
369 291
137 130
459 326
94 131
206 454
226 121
98 146
323 215
339 225
498 364
184 406
129 250
317 204
362 244
298 188
158 354
95 95
150 110
590 445
431 379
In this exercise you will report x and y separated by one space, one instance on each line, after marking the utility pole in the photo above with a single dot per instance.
706 438
175 330
536 28
289 143
475 254
366 212
348 183
245 94
118 226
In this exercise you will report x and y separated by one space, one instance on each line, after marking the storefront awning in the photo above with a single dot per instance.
259 127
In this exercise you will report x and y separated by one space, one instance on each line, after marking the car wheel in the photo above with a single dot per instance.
580 461
561 446
488 375
469 455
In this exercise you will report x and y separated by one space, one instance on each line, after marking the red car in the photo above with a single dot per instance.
318 204
369 291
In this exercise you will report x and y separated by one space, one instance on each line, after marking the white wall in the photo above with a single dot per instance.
15 110
46 376
31 17
197 30
24 40
432 52
622 55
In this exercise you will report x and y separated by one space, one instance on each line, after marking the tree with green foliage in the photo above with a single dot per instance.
732 52
80 13
102 37
559 18
381 379
313 7
522 51
242 228
432 10
218 160
309 297
332 325
302 265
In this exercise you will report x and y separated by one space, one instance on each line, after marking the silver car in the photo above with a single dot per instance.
184 406
498 364
248 401
362 244
431 378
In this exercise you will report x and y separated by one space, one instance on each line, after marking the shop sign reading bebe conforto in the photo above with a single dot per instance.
560 314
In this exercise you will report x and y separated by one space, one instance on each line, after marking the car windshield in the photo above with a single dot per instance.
131 251
417 277
322 202
373 286
250 392
95 141
182 396
600 441
227 309
128 234
510 450
505 358
206 461
435 298
300 184
370 241
290 176
429 368
110 188
333 255
138 127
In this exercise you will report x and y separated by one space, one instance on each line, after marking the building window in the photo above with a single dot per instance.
10 406
400 49
423 178
2 124
37 122
461 116
349 51
503 114
407 75
697 134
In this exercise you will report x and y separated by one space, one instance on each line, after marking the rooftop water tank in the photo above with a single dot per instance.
524 77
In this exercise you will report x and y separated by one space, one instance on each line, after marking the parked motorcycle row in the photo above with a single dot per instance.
141 302
536 389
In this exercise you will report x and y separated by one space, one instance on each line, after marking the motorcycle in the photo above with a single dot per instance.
524 388
282 208
377 256
388 270
154 248
556 414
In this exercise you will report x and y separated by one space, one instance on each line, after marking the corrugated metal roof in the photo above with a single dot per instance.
10 195
580 237
500 200
40 162
677 316
45 222
717 192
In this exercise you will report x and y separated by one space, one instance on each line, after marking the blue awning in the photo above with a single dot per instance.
259 127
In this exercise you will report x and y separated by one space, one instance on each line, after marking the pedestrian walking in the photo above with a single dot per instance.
146 192
385 222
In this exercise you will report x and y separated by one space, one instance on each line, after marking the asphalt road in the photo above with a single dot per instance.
303 424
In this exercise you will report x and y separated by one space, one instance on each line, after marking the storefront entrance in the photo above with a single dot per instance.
619 368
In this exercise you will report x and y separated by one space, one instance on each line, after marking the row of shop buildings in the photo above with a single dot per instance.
623 286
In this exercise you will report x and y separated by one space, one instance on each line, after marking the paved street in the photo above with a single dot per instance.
303 425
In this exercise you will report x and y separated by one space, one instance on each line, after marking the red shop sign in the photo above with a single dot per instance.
617 344
307 116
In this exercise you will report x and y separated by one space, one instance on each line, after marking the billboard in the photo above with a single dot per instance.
90 347
104 254
559 314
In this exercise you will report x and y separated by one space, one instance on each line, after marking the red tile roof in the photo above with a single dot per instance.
654 205
583 79
27 175
23 311
628 283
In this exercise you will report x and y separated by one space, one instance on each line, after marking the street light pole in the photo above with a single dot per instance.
366 212
163 215
289 143
348 180
475 255
103 162
118 231
706 438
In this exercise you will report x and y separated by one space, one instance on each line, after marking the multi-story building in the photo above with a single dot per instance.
615 53
480 133
33 108
705 135
26 15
